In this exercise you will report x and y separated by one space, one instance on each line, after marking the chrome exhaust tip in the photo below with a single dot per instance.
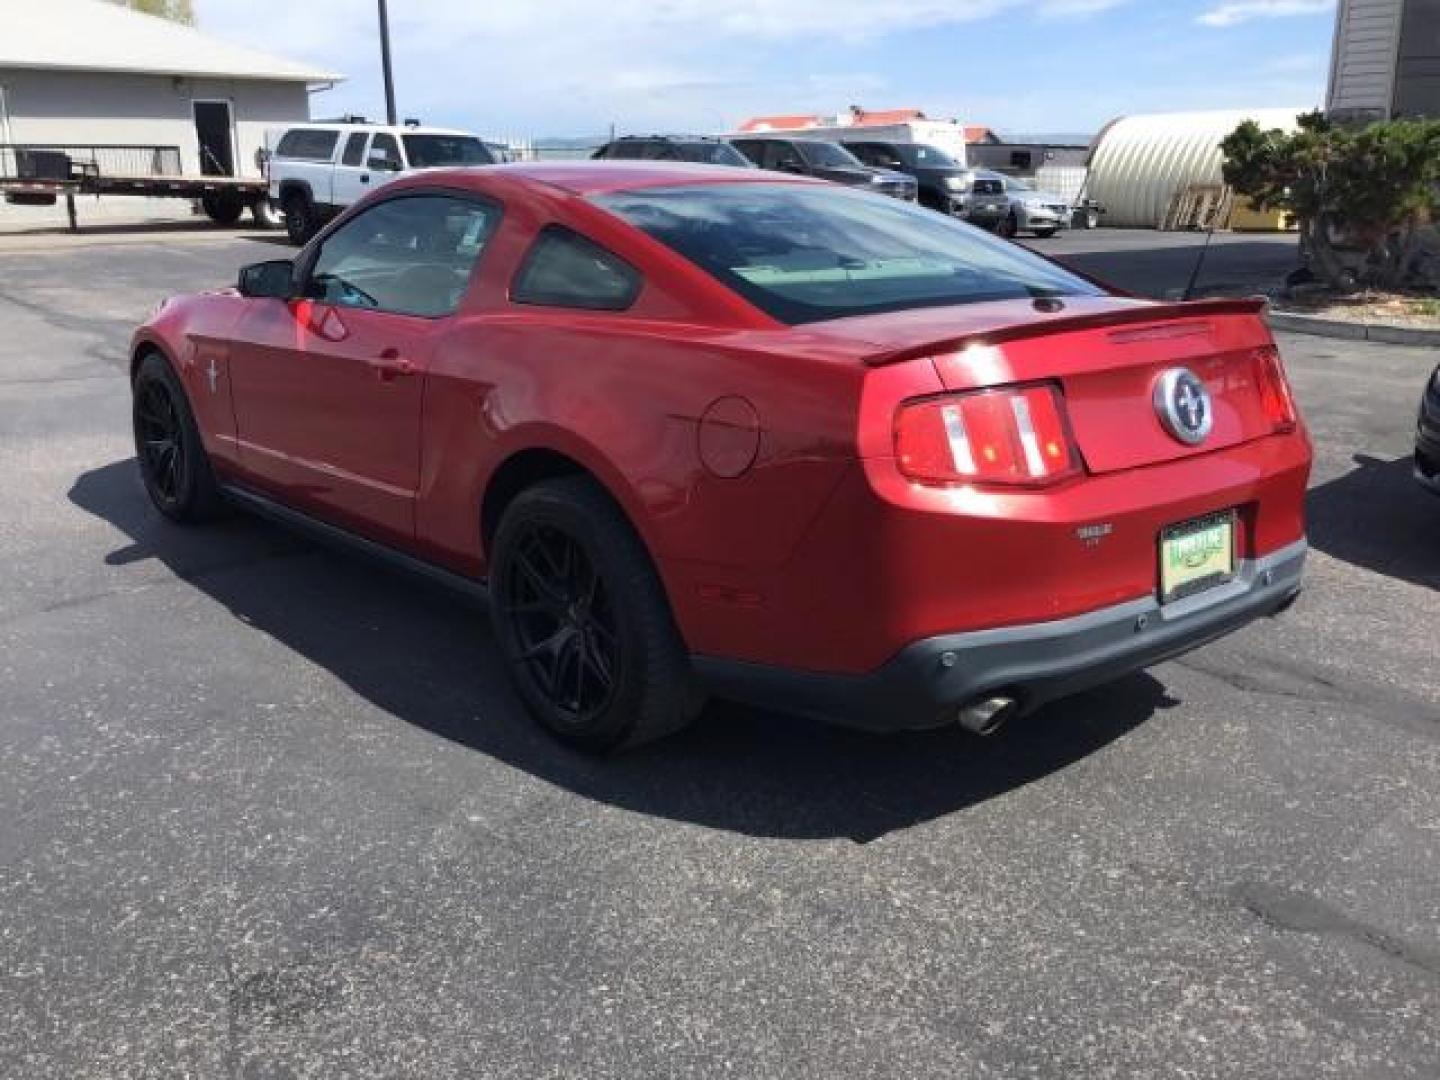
988 716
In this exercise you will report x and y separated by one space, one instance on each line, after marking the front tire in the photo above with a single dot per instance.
1009 228
582 619
173 463
1046 234
300 219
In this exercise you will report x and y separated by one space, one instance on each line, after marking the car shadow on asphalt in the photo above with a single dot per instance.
1376 517
426 657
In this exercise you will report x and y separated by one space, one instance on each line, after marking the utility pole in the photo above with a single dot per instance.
385 63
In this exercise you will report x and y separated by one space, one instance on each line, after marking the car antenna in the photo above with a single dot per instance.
1200 261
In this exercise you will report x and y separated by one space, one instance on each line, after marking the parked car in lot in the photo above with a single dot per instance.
672 148
1427 436
984 482
983 200
316 170
1040 213
824 161
942 182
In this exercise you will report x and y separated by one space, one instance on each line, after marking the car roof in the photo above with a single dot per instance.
402 129
587 177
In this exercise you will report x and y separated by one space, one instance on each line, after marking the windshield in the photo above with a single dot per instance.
804 253
918 155
826 155
441 151
713 153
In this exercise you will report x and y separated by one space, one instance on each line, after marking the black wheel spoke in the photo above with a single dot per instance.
553 601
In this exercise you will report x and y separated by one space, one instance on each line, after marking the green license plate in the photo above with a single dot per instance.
1197 555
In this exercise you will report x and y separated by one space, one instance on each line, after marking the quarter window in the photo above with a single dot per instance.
563 269
410 255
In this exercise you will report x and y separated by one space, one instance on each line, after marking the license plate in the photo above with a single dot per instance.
1197 555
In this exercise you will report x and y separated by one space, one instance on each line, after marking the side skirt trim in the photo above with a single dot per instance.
333 536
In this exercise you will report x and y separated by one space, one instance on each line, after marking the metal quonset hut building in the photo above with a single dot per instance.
1139 163
86 73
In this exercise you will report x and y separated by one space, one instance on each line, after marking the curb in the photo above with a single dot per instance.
1352 331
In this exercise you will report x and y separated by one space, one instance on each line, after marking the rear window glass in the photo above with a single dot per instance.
982 186
427 151
803 253
307 144
563 269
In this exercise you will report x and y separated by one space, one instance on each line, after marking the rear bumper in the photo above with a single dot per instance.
924 685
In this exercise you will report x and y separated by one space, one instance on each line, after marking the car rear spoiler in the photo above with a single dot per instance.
1178 313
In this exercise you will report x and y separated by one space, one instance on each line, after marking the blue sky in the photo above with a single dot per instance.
571 67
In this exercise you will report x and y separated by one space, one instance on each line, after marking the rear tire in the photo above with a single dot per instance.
173 463
300 220
221 207
583 622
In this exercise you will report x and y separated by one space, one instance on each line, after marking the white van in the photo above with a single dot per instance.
316 170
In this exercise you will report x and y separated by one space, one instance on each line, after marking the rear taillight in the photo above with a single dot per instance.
1014 436
1275 396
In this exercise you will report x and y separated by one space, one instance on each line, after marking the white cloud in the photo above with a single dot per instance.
1241 11
556 66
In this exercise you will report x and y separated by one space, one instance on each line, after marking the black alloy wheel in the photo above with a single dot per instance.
160 442
172 458
563 623
583 621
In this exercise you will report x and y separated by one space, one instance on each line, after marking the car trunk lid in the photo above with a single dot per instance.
1106 353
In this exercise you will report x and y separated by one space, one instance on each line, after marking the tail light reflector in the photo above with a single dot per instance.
1012 436
1275 396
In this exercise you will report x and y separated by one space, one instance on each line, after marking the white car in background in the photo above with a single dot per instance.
315 170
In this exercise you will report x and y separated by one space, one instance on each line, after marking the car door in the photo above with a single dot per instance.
327 386
352 175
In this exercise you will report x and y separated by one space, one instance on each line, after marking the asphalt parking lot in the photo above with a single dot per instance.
269 813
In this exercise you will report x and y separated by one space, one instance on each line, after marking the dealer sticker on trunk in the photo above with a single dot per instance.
1196 555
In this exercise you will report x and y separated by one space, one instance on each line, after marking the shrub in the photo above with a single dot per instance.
1363 195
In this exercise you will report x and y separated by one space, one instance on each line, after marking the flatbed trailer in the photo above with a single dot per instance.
41 175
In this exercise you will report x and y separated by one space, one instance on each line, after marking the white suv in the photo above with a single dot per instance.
316 170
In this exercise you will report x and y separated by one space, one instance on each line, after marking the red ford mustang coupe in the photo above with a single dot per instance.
699 430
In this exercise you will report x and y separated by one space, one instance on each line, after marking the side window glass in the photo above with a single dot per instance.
785 156
563 269
307 144
354 149
409 256
384 153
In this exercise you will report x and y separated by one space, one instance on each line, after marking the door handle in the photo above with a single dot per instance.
390 365
364 178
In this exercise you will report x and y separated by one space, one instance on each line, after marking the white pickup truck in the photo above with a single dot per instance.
316 170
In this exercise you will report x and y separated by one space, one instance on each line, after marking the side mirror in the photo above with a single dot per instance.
275 278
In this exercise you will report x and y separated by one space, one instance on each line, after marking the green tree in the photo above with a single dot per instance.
1367 192
181 11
